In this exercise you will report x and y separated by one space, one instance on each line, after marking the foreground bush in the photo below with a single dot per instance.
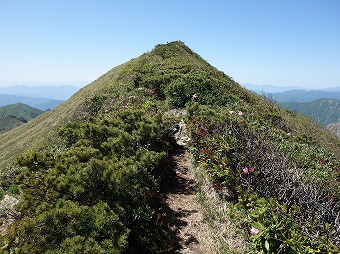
100 195
97 188
284 184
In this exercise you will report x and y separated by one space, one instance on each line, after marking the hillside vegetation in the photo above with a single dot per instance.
16 114
9 122
20 110
92 172
324 111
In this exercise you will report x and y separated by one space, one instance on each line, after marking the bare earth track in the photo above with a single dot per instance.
186 217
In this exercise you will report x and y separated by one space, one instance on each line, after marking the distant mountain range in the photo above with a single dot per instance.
40 97
16 114
276 89
331 89
324 111
268 88
51 92
304 95
322 105
39 103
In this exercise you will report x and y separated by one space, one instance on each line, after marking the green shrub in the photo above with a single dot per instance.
288 170
2 193
100 194
273 227
14 190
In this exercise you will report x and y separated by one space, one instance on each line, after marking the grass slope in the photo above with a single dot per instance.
14 115
92 181
20 110
41 132
9 122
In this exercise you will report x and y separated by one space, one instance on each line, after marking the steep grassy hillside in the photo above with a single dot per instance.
324 111
9 122
20 110
15 115
99 164
41 132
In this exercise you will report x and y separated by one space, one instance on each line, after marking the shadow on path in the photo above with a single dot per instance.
181 207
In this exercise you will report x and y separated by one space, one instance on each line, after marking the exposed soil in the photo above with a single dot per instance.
7 212
186 221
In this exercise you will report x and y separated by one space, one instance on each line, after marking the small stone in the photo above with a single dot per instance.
191 239
184 251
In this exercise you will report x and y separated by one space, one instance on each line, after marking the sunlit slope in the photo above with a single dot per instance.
114 155
41 131
161 65
114 86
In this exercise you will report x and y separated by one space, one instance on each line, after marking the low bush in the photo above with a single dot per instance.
99 195
293 180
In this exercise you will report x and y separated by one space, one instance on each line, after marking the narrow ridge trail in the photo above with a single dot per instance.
186 221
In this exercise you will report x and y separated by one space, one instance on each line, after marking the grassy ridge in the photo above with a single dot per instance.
9 122
41 131
16 114
20 110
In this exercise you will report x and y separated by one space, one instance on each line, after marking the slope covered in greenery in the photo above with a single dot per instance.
9 122
324 111
14 115
98 187
20 110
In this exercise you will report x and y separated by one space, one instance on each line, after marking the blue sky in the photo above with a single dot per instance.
282 43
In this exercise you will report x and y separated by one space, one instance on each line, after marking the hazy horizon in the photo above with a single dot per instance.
287 43
84 83
4 84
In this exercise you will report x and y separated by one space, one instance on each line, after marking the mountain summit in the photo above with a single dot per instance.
94 172
148 75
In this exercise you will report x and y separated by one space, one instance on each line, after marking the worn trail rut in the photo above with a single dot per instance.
187 221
